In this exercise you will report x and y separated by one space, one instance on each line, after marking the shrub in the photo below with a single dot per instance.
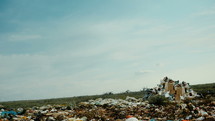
158 100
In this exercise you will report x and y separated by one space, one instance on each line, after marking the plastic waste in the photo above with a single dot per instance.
183 106
182 97
200 119
131 119
130 98
167 94
189 117
203 113
4 113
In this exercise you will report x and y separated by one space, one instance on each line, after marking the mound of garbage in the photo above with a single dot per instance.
174 90
183 106
130 109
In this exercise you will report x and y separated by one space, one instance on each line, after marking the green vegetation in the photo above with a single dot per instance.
201 88
205 89
72 101
158 100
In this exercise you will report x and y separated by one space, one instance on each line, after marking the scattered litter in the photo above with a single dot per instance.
128 109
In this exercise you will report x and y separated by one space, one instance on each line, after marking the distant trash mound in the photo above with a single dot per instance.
173 90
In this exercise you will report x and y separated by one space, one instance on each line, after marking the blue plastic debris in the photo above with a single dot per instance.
4 113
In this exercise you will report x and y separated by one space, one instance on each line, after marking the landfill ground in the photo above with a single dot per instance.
112 108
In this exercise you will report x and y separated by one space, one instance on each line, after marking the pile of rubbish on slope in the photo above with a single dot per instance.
187 108
174 90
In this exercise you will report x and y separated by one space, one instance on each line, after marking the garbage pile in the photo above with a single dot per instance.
183 106
174 90
128 102
130 109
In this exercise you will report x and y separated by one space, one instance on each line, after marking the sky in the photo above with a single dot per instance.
65 48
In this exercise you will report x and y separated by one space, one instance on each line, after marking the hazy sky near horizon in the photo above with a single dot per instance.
64 48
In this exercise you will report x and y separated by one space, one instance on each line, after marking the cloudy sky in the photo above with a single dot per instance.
64 48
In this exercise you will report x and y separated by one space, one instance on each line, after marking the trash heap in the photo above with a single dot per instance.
182 107
130 109
128 102
174 90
